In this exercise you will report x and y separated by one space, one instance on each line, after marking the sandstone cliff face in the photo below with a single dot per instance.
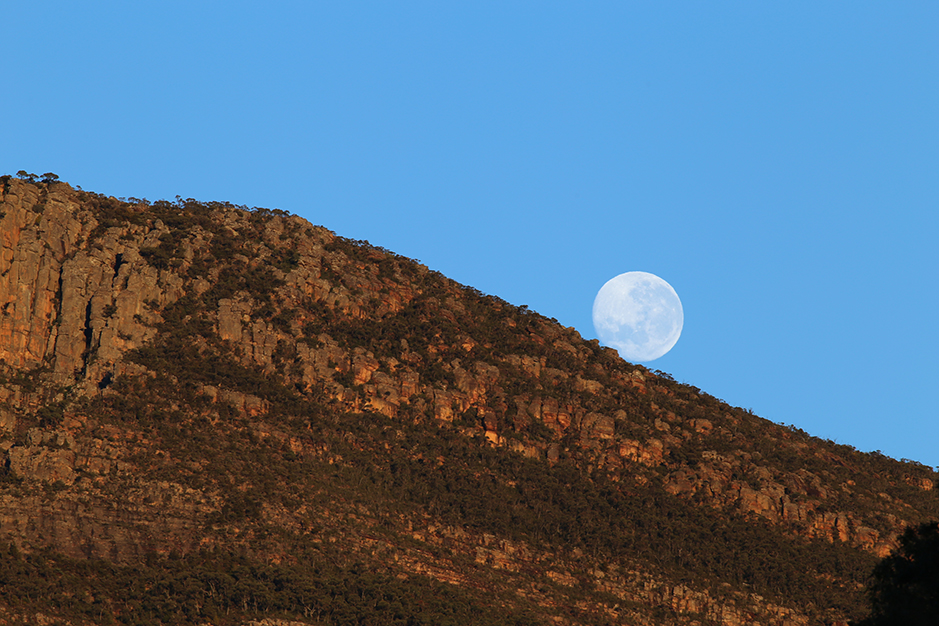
139 343
74 298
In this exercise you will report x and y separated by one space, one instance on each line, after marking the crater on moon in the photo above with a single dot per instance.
639 314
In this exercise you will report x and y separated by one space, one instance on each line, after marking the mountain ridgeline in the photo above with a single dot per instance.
216 415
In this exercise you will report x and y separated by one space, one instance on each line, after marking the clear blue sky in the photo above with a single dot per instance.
777 163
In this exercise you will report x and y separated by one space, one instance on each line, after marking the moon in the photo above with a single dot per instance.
639 314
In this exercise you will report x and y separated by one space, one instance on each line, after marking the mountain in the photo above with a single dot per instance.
216 415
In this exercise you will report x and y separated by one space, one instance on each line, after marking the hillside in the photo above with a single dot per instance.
220 415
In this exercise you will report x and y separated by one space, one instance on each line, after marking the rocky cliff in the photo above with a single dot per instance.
185 381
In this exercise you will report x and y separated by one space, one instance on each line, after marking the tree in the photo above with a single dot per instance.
905 587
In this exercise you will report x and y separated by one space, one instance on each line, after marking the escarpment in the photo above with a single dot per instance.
186 381
76 295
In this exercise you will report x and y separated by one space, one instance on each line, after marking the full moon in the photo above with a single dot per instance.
639 314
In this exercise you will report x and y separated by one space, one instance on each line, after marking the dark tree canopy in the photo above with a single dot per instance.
905 589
